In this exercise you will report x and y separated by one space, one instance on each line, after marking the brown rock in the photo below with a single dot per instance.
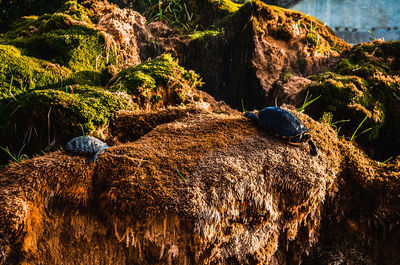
202 189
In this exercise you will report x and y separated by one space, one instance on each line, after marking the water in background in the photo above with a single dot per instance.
356 21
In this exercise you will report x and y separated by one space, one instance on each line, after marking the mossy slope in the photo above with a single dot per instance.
52 69
249 49
365 83
46 65
66 37
19 73
158 82
61 48
46 117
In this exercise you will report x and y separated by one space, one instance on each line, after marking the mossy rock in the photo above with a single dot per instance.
19 73
78 47
43 117
365 83
287 24
348 97
77 11
64 40
158 82
13 11
366 59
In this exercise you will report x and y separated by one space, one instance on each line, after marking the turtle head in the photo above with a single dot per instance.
251 116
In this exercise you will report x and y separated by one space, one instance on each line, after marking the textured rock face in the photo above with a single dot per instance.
202 189
261 46
124 31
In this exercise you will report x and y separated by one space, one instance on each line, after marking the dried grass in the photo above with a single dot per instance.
248 194
124 31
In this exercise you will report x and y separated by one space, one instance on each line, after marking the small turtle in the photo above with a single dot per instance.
285 124
88 145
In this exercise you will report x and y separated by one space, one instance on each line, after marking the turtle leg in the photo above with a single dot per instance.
313 148
93 157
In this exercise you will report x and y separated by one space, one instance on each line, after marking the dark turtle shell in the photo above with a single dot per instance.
87 145
281 122
285 124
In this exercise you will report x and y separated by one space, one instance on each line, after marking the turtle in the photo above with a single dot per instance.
284 124
88 145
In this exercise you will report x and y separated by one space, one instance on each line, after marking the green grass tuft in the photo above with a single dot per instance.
307 102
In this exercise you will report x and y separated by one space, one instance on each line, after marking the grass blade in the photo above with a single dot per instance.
7 151
384 162
359 125
83 130
307 102
182 177
19 153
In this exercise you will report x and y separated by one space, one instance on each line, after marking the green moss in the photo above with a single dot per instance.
20 73
160 78
228 5
78 47
66 38
312 39
336 91
75 11
21 27
364 62
206 34
70 14
286 75
91 78
64 111
366 82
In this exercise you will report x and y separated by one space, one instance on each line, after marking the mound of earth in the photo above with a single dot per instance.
202 188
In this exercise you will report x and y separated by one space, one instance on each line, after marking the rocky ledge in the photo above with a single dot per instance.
204 188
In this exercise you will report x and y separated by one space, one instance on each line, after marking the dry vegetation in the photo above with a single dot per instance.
201 188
